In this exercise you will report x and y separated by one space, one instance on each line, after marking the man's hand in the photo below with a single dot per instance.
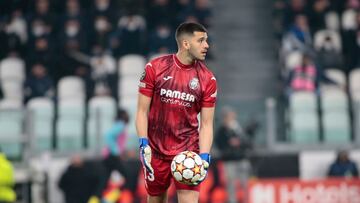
145 154
205 157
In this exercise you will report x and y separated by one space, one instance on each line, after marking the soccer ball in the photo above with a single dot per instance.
187 167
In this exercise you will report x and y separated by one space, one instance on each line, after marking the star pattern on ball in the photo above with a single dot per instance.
190 154
180 167
196 170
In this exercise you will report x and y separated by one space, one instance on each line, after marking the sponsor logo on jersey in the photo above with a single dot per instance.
194 83
167 78
176 97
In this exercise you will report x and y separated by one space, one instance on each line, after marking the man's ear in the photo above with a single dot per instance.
186 44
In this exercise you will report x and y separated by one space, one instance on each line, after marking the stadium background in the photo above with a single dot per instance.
92 55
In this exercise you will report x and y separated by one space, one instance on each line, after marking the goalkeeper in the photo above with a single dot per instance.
173 90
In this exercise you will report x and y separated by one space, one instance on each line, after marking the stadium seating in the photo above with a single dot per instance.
42 113
71 88
356 109
153 56
332 20
354 83
70 125
130 68
303 117
293 60
13 90
12 76
336 121
12 134
130 103
12 69
321 36
131 64
336 75
128 87
349 20
101 115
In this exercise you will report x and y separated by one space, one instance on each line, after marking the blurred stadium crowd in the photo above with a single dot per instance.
319 52
85 38
67 66
63 55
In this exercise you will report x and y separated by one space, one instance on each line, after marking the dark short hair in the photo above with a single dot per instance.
189 28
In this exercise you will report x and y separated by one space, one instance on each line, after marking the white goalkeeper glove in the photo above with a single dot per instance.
145 154
205 157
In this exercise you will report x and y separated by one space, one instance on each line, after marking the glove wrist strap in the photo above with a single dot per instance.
143 141
205 156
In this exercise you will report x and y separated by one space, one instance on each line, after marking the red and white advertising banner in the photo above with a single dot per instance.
297 191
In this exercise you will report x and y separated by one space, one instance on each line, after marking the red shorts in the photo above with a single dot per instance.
159 182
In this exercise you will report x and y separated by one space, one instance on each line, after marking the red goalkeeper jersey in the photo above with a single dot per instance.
178 93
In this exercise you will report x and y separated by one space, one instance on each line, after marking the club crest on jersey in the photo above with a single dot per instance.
194 83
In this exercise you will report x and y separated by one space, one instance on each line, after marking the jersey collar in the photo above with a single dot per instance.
181 65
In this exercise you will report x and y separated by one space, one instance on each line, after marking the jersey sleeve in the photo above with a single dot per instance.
147 81
210 93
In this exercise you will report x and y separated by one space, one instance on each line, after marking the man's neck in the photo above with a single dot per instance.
184 58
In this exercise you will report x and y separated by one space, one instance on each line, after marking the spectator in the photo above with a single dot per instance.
73 33
328 49
298 37
303 77
7 193
82 181
17 25
232 145
42 51
202 11
43 13
349 35
106 9
337 5
180 6
161 40
73 11
38 28
115 143
129 37
230 138
317 15
159 10
103 72
294 8
343 167
38 83
73 40
102 29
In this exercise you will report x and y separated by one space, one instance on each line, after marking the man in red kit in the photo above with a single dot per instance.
173 90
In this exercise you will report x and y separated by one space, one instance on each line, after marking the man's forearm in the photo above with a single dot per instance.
205 138
142 124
